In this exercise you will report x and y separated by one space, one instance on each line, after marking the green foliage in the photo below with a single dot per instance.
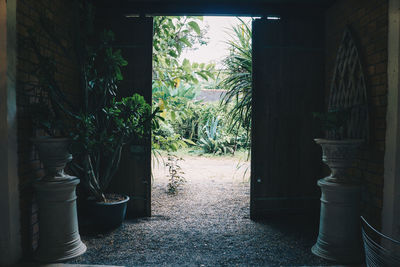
216 140
104 132
214 83
171 36
43 118
238 77
129 118
333 121
187 122
105 125
176 178
169 143
100 125
193 123
167 137
183 91
210 140
48 110
44 79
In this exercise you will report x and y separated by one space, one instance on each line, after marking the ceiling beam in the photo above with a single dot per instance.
216 7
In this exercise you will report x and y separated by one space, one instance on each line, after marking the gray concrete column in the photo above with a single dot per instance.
339 236
59 237
10 239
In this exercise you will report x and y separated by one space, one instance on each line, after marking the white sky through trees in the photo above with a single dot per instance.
218 33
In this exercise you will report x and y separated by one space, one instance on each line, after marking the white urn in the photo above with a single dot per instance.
339 155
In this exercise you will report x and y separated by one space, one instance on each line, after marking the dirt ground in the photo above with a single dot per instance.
206 224
200 170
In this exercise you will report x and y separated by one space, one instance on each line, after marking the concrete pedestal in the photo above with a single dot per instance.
339 236
59 237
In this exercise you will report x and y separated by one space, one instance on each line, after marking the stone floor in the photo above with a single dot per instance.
62 265
206 224
90 265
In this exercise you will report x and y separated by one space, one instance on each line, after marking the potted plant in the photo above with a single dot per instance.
48 111
339 237
104 127
52 145
338 152
98 143
102 123
59 237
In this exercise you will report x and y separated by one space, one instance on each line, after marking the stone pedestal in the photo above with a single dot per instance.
59 237
339 236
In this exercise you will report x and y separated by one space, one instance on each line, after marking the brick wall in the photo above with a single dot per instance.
61 13
368 20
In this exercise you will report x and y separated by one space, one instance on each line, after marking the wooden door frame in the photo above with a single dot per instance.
271 196
143 9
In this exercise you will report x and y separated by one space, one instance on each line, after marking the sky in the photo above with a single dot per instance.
218 32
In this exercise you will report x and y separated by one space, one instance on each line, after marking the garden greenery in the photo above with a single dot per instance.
238 77
206 127
175 174
186 122
202 126
173 34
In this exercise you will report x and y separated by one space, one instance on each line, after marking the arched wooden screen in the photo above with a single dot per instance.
348 89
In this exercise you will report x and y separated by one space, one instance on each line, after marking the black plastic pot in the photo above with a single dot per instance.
107 216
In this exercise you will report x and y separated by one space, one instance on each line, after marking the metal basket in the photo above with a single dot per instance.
380 250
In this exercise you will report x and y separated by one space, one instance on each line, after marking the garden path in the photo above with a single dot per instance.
206 224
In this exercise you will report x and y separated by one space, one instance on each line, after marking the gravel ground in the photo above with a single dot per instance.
206 224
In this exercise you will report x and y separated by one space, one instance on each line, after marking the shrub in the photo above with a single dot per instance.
188 123
176 178
238 78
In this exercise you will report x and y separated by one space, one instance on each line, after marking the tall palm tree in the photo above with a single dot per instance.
238 77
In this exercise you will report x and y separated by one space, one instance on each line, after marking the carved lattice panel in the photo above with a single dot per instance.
348 89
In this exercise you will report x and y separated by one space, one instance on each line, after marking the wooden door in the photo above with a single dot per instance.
134 36
288 85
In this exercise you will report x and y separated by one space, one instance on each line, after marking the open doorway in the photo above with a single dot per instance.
202 82
215 237
287 54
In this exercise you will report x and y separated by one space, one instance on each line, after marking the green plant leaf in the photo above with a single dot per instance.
172 53
186 42
189 141
195 26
